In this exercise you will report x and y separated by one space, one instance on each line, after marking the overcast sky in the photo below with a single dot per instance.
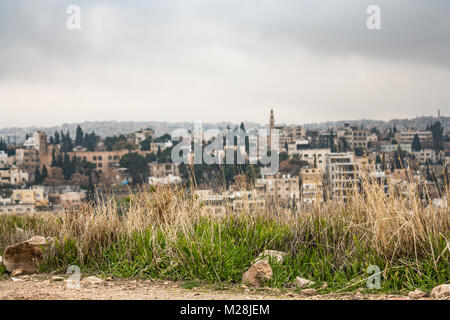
228 60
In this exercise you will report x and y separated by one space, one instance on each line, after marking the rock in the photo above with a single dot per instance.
324 285
25 255
309 292
290 294
394 297
440 291
92 281
16 279
16 272
303 283
259 272
278 256
359 296
416 294
57 278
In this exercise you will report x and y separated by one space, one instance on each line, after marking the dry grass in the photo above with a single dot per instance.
163 233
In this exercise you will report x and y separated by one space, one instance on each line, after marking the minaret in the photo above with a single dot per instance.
271 127
272 120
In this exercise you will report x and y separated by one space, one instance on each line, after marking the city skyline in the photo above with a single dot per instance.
176 61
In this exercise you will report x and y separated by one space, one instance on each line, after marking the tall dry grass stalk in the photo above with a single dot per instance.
166 223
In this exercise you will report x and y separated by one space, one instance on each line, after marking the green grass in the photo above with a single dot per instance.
218 252
2 269
190 284
146 238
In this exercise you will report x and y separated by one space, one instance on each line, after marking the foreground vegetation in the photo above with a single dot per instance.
163 234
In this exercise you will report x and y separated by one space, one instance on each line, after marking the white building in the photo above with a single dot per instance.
408 136
13 176
424 156
314 157
342 174
3 159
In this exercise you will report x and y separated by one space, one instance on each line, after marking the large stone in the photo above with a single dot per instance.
92 281
303 283
25 255
259 272
308 292
16 272
416 294
278 256
440 291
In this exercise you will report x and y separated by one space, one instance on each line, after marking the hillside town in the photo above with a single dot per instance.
58 172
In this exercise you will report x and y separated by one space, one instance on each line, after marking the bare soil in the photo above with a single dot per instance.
46 287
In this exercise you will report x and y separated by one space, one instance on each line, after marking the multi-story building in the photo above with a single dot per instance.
279 188
143 134
342 175
28 160
311 185
13 176
314 157
162 170
105 161
387 148
237 201
426 156
289 135
68 199
408 136
294 148
356 138
3 159
34 196
17 209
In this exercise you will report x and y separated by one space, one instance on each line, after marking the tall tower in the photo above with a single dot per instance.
271 127
272 120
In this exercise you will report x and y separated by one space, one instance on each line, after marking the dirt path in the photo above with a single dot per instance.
43 287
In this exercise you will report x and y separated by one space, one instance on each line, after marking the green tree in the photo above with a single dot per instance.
136 165
146 144
79 136
437 132
44 173
90 190
415 146
57 137
37 176
164 138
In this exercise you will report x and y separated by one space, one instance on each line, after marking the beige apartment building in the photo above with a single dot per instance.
356 138
426 156
408 136
3 159
13 176
69 199
105 161
342 175
162 170
289 135
29 196
314 157
279 188
28 160
312 185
